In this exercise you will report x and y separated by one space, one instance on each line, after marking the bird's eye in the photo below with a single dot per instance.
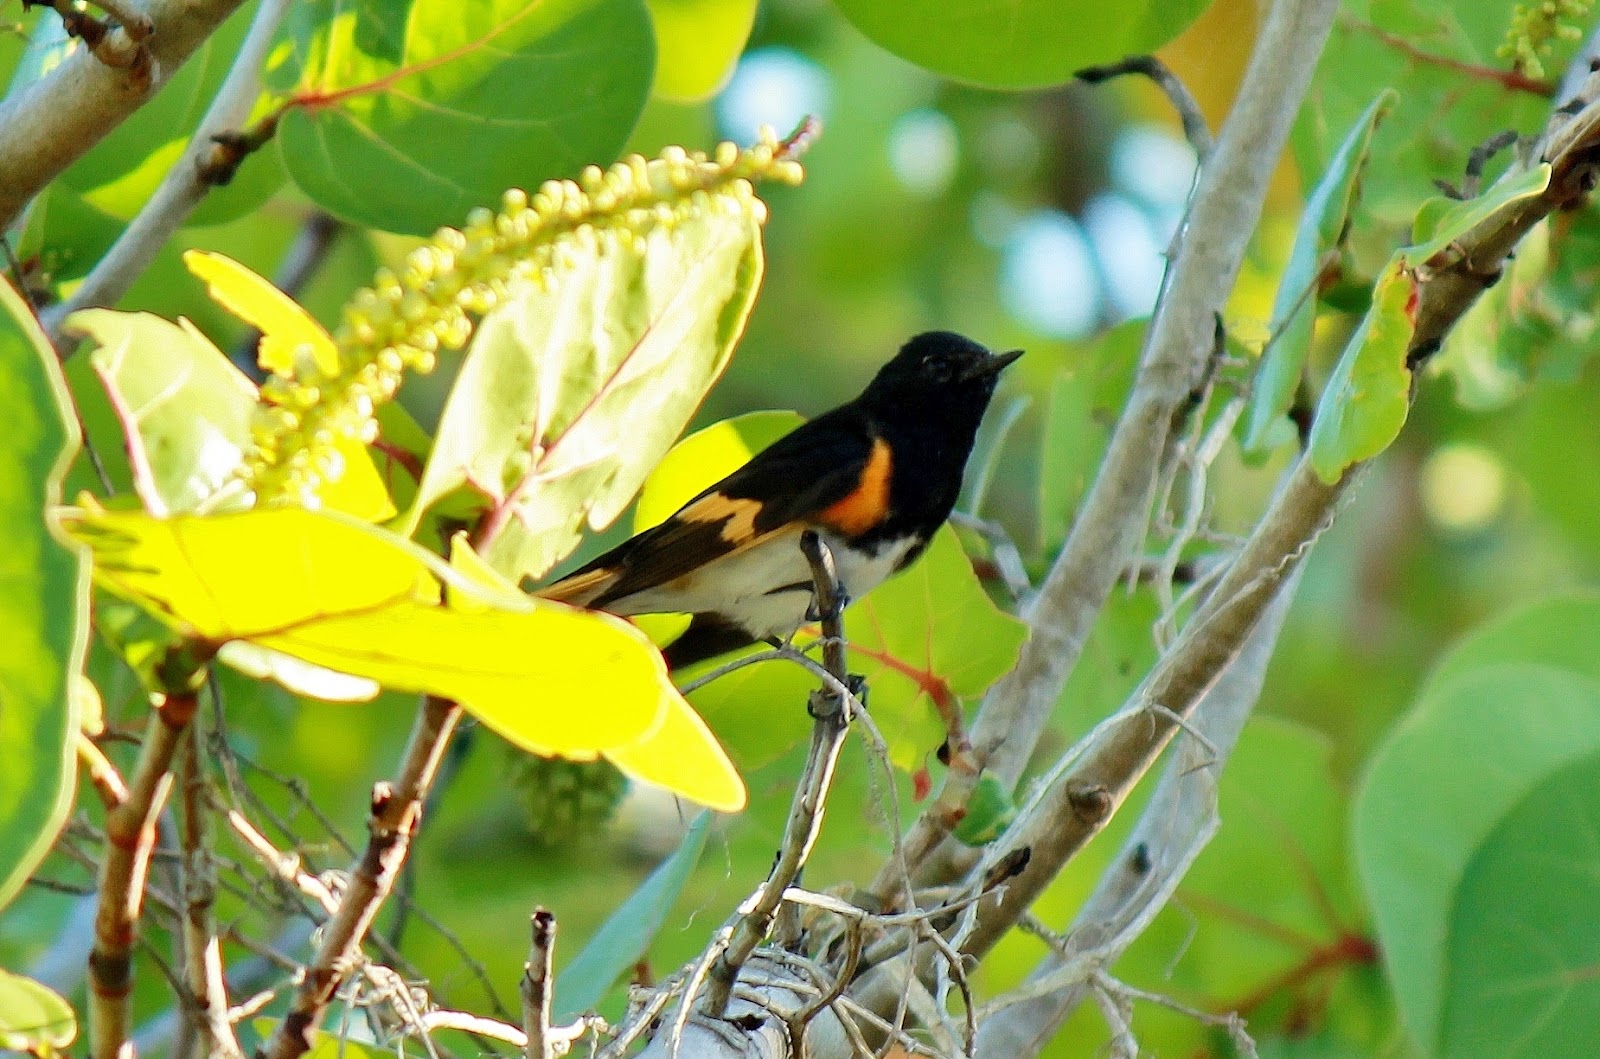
938 368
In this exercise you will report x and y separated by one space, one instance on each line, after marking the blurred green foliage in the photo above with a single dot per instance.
932 203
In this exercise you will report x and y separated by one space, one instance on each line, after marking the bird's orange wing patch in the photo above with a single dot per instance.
580 589
868 503
738 516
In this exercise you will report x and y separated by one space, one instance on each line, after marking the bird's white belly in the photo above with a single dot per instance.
740 586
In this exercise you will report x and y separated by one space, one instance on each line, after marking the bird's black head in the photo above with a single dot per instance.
939 367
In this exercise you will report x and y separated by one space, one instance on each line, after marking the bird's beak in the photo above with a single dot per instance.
995 364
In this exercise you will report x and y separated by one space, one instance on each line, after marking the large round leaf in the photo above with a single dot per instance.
1019 43
1433 840
404 116
43 601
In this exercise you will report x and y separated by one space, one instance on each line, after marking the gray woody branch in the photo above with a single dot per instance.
51 123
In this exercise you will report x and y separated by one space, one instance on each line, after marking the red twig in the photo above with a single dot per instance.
1511 80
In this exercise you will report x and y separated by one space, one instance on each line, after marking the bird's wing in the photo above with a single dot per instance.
833 471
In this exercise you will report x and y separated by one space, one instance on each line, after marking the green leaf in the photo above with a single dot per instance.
405 116
1521 957
44 600
1365 402
1021 43
185 408
989 811
1323 224
1560 631
1444 227
572 392
1439 56
33 1017
625 937
1430 836
697 44
120 173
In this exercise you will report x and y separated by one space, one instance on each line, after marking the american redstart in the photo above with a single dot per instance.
875 477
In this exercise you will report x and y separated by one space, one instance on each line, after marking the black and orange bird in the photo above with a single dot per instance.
875 478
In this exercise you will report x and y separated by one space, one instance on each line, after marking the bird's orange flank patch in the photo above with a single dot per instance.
868 503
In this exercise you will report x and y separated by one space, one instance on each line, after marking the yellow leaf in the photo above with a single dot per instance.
291 673
550 679
287 330
230 577
353 599
470 565
683 756
360 490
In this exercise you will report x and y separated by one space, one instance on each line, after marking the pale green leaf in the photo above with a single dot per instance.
572 392
1019 43
33 1017
625 936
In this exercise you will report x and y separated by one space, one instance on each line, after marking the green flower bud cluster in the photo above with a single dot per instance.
1536 27
564 801
435 299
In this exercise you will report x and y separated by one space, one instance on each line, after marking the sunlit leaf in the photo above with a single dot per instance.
186 412
1020 44
33 1018
571 393
1367 397
1322 227
697 44
354 599
296 675
44 601
387 99
625 937
682 755
286 329
185 409
237 576
989 811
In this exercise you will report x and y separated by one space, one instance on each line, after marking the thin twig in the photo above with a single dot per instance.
396 815
103 775
202 950
832 714
1195 129
537 980
184 185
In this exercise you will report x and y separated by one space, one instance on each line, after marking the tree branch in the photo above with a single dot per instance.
130 838
1227 203
52 122
396 816
185 183
201 947
1174 827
